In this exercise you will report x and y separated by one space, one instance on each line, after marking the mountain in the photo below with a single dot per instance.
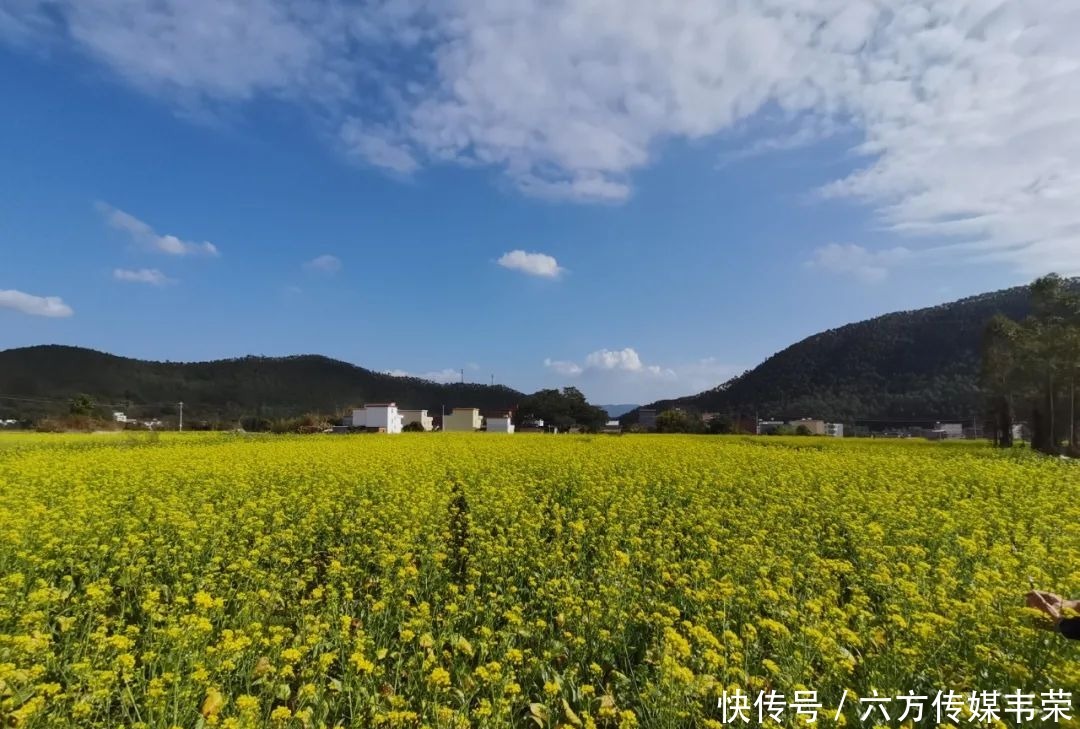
615 411
916 365
36 381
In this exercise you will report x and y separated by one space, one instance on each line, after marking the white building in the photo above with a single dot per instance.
119 417
383 417
500 424
417 416
946 431
463 420
834 430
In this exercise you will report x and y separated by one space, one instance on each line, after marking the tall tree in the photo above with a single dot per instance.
563 409
1037 361
1000 375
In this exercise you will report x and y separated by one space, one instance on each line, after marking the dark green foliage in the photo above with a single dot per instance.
1033 367
563 409
81 405
254 424
257 389
413 427
920 364
679 421
721 424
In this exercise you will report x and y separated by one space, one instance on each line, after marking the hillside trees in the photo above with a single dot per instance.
910 365
1034 365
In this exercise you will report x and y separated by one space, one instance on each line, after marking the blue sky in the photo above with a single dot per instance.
639 201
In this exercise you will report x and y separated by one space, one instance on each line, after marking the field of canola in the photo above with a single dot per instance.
485 581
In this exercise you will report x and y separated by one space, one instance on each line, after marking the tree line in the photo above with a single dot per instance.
1031 368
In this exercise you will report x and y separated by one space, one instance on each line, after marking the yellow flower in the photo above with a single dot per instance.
362 664
213 703
203 600
439 678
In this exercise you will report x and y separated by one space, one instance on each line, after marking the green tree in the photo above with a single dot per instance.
679 421
1001 375
563 409
721 424
1037 362
81 405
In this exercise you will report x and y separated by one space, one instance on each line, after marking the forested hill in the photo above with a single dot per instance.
44 377
907 365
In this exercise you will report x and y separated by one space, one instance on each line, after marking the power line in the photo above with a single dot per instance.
20 398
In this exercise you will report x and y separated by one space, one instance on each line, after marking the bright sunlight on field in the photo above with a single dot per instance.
453 581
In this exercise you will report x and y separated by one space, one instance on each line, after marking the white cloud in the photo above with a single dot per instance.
376 147
325 264
563 367
967 108
620 375
852 260
609 360
444 376
50 306
151 276
146 237
534 264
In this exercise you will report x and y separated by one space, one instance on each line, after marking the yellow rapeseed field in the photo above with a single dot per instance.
445 580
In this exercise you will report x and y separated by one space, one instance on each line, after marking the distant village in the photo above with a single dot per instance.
389 418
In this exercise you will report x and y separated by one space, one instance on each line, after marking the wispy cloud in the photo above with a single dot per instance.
378 147
564 367
444 376
326 265
143 235
48 306
858 262
966 108
151 276
534 264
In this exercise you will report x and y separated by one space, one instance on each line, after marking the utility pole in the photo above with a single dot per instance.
181 415
463 375
493 380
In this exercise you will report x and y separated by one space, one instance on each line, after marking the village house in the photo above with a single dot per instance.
378 417
463 420
500 423
417 416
